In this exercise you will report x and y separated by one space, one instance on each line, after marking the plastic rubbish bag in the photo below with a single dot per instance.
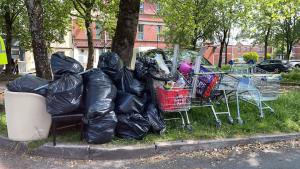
140 70
61 64
133 126
64 94
206 83
155 120
142 66
111 64
100 130
129 84
99 93
161 63
127 103
28 83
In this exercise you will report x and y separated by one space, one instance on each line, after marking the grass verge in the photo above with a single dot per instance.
286 119
8 77
291 77
3 129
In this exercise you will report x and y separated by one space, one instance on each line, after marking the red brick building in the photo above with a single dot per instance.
235 50
296 52
147 36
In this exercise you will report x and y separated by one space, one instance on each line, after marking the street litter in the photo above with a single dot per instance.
129 104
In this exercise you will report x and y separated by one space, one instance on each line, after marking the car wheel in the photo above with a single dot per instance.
297 66
276 70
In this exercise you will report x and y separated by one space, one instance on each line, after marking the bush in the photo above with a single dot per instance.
268 56
225 68
250 56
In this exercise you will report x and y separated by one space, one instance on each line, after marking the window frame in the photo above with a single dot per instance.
140 33
158 32
142 8
158 7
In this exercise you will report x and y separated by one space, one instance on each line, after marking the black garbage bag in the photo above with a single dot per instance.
133 126
61 64
64 94
28 83
100 130
129 84
155 119
111 64
142 67
127 103
140 70
99 93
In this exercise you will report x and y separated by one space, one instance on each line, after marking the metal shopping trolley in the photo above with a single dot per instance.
256 90
176 99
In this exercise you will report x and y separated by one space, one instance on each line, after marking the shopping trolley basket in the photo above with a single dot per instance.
175 99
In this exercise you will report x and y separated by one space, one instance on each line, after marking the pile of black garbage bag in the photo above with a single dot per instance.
136 114
113 99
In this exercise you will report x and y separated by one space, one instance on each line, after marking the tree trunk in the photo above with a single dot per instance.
123 41
89 34
8 27
222 48
288 51
282 50
194 43
41 60
266 43
220 55
226 53
226 47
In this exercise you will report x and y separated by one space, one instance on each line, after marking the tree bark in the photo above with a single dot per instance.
220 55
222 48
123 41
89 34
226 53
288 51
8 30
267 42
194 43
35 13
226 47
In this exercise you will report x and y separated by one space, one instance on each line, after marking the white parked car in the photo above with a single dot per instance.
295 63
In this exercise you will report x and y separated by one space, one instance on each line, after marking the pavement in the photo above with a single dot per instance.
268 156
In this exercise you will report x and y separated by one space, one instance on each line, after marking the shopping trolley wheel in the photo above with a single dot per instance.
189 128
240 121
261 117
230 120
218 124
162 132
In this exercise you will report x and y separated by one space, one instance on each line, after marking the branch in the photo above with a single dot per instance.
14 16
79 16
77 8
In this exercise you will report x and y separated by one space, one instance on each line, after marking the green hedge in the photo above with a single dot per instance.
251 56
268 56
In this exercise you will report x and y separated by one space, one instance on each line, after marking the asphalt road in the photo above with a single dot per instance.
284 155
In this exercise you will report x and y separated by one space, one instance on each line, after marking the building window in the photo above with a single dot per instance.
141 7
157 8
140 32
158 32
98 31
239 49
